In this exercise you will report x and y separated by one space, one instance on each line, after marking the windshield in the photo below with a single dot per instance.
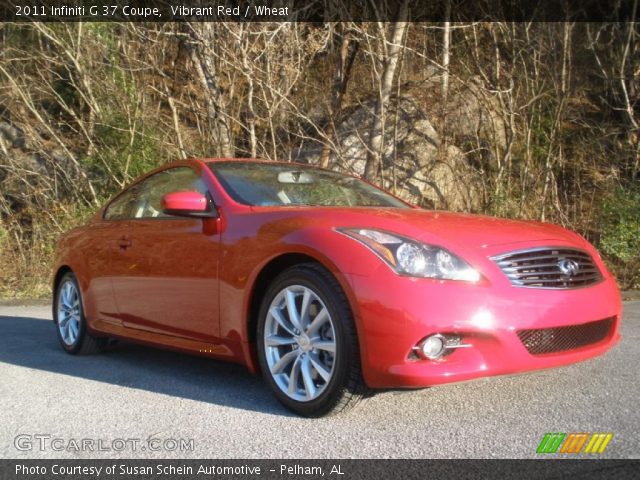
265 184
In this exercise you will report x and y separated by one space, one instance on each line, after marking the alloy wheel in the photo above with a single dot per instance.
69 312
300 343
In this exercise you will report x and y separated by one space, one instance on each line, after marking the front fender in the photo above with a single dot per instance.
334 251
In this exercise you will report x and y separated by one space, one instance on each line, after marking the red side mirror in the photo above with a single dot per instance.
187 204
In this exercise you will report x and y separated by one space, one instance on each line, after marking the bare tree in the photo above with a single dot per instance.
386 85
446 51
344 63
539 119
203 41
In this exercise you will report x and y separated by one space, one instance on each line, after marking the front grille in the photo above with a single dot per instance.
549 268
552 340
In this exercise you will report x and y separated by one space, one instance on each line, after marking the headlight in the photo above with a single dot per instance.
412 258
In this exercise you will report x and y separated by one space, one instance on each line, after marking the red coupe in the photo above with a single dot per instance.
327 285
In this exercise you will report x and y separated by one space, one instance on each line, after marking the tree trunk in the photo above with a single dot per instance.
202 38
373 163
344 63
243 44
446 54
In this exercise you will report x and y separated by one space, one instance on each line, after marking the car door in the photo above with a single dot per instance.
165 268
96 248
105 246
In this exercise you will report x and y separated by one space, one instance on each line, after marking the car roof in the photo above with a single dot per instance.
250 160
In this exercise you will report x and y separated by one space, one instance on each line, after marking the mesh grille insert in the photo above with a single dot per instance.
559 339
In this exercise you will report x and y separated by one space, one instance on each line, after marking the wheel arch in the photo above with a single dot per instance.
260 284
83 282
60 272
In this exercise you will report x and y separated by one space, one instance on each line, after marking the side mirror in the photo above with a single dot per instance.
188 204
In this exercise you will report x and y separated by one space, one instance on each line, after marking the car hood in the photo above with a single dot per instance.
451 228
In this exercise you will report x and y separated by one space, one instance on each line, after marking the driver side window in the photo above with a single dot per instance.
144 199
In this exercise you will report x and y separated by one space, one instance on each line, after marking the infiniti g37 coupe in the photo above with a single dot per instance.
327 285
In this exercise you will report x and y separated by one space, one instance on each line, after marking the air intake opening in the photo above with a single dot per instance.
541 341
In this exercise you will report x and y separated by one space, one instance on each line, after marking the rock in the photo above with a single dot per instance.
11 135
62 160
415 164
29 162
3 171
446 183
473 114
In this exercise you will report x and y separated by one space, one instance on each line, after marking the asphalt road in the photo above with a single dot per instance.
136 392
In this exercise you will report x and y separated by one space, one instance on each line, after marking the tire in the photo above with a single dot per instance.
68 309
297 363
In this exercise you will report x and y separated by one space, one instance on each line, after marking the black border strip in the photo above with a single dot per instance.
315 10
277 469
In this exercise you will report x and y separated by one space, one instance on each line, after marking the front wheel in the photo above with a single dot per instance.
307 343
70 320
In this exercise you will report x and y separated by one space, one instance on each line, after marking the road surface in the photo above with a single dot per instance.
135 401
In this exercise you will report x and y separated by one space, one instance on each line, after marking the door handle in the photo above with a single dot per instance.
124 243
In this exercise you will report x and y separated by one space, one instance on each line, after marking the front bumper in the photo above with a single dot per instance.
394 313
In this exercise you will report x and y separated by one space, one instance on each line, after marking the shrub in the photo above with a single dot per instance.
620 234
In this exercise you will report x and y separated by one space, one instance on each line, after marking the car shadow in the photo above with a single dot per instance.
32 343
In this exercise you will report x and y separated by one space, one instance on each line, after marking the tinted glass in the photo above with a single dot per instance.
267 184
144 200
157 186
123 206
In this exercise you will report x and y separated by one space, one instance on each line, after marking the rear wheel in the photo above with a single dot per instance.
307 343
70 320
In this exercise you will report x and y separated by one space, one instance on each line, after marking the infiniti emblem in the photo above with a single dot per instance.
568 267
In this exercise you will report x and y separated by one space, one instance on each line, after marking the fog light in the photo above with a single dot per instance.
434 346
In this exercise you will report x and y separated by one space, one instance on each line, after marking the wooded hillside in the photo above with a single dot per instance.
520 120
